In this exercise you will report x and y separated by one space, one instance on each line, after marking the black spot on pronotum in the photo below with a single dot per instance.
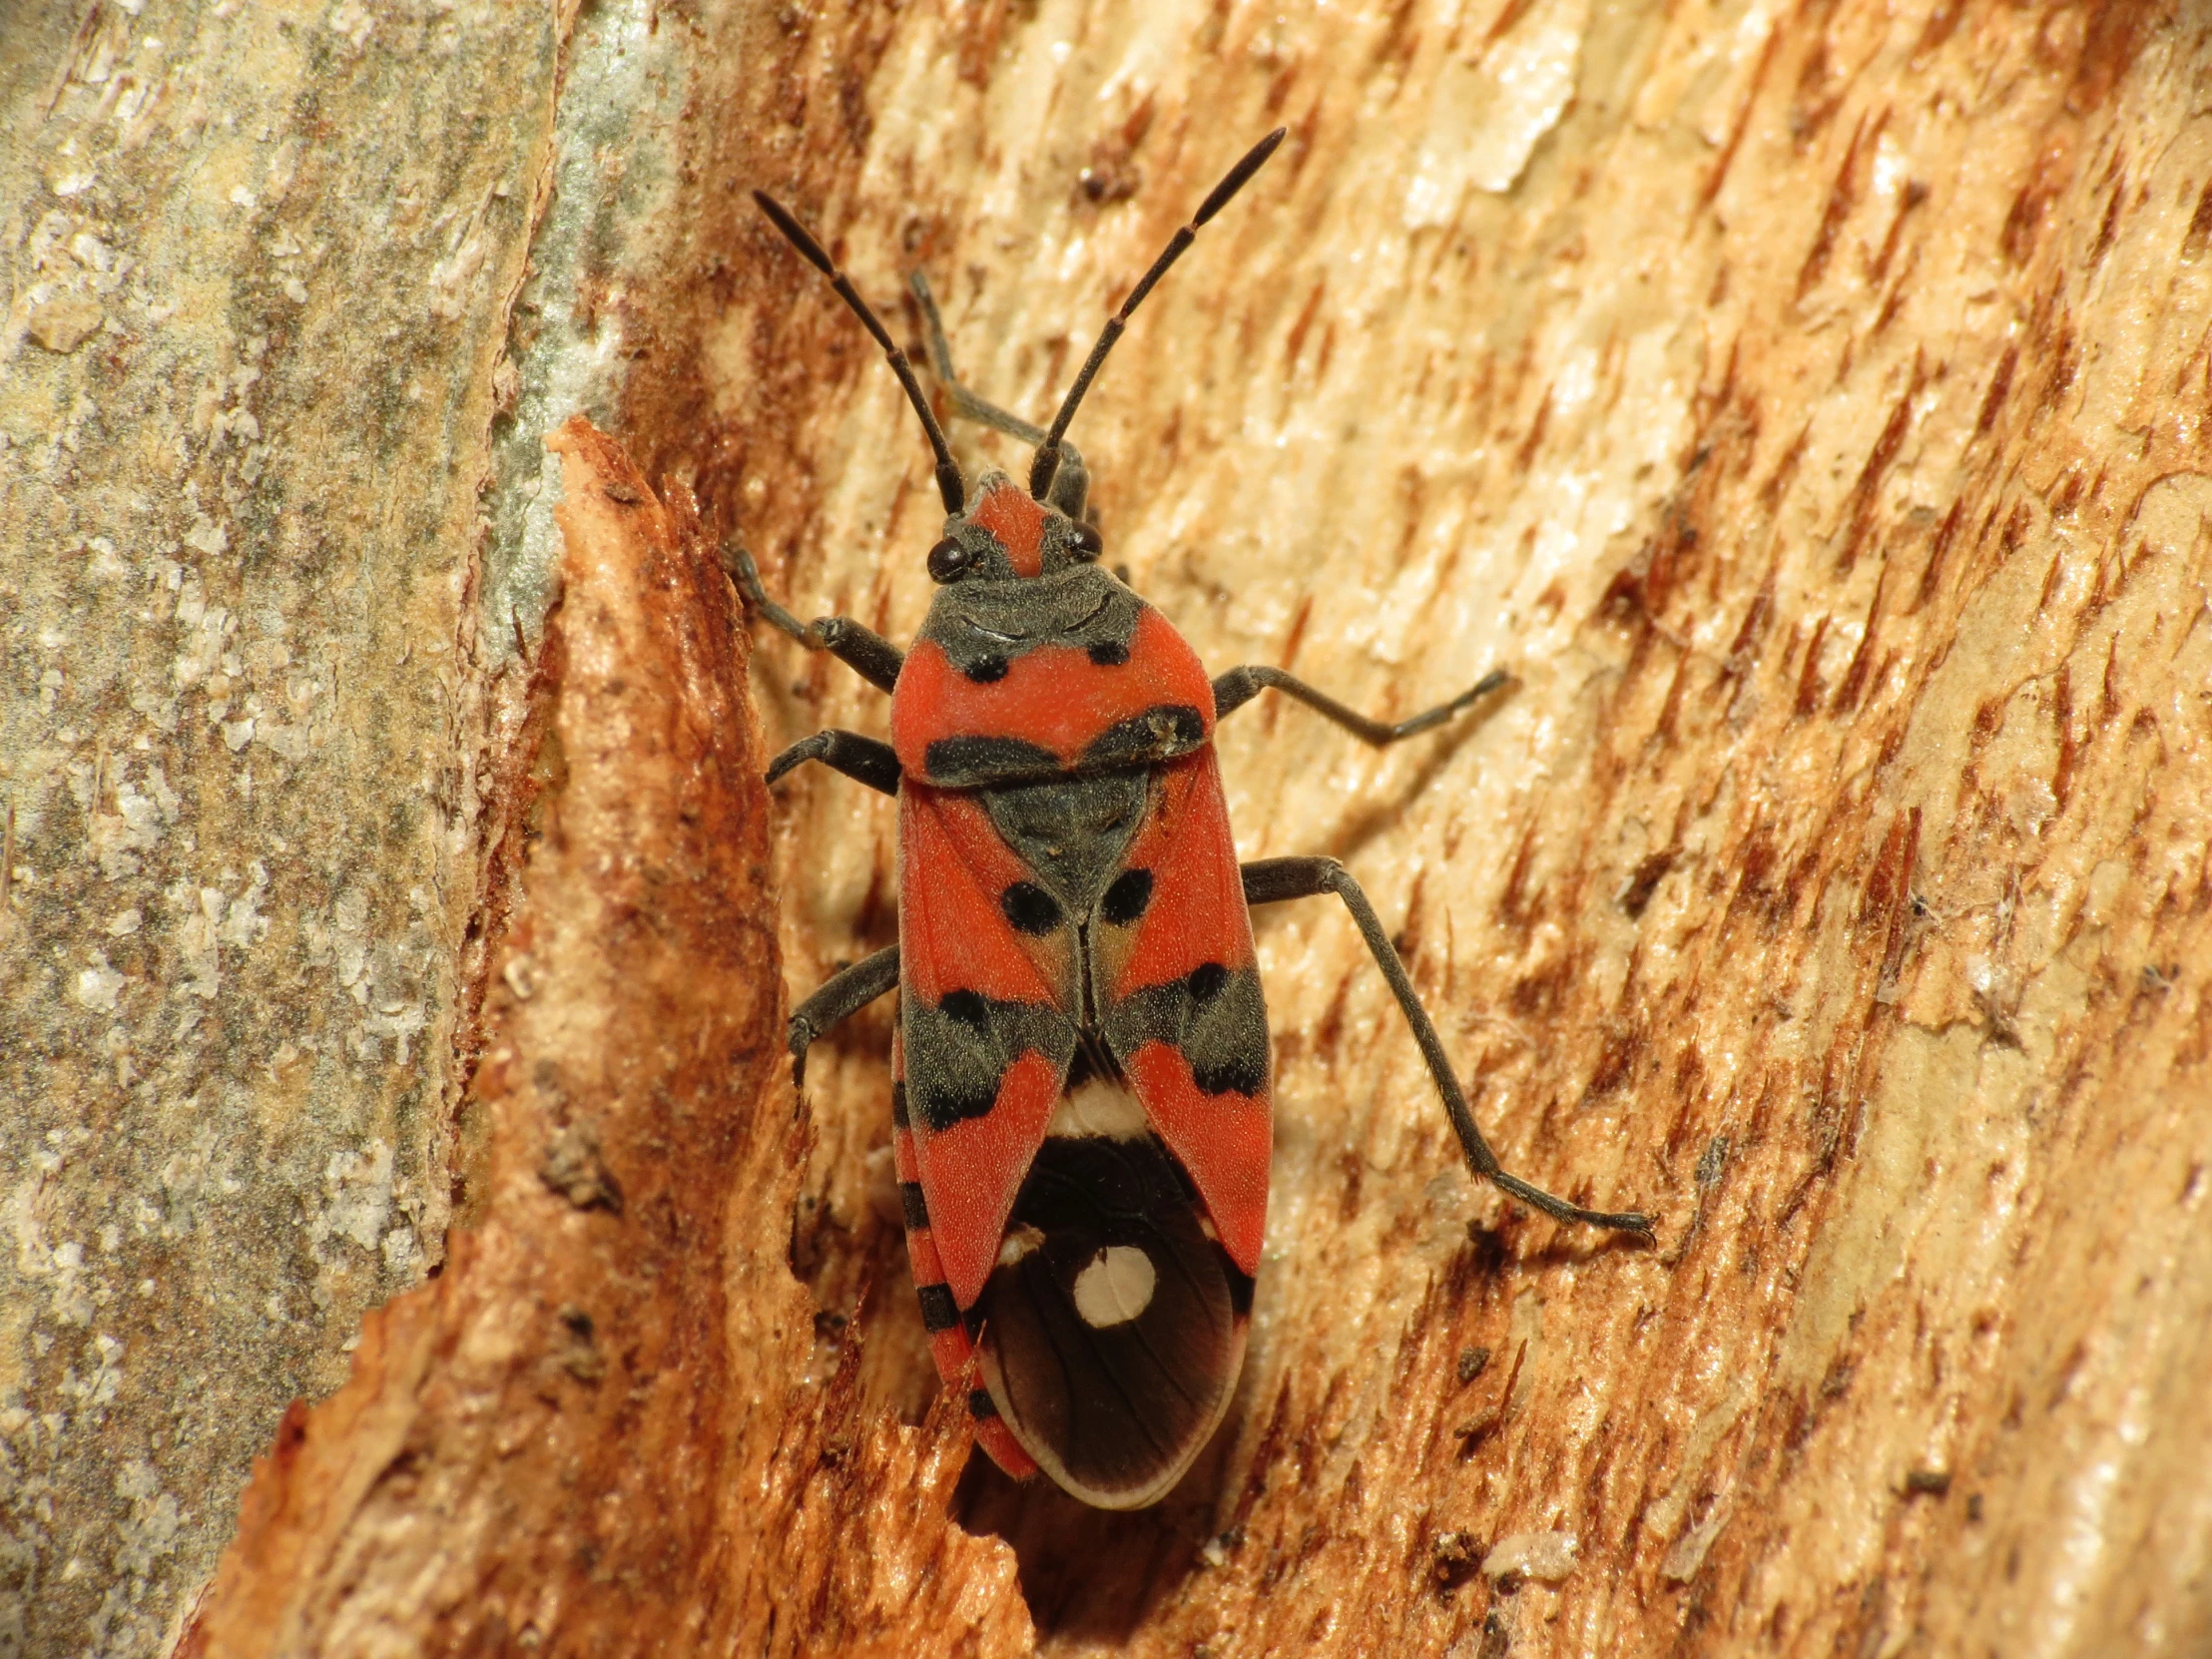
969 1008
1127 898
1029 909
967 761
1109 653
910 1202
1159 734
938 1311
984 670
1207 980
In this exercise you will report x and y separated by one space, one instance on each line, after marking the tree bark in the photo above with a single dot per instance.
1807 408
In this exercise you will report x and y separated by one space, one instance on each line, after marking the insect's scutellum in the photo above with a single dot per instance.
1081 1114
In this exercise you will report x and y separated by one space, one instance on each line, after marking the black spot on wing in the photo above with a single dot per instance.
1161 733
938 1311
958 1051
913 1206
969 1008
955 1101
899 1106
980 1403
1242 1070
1072 831
1029 909
1215 1015
1128 899
969 762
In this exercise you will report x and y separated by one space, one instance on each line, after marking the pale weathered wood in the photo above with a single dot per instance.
1806 406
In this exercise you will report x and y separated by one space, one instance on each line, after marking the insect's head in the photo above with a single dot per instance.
1008 534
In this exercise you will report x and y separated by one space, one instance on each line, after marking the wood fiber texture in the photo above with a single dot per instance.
1806 405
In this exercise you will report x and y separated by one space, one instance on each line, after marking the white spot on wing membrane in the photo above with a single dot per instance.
1115 1285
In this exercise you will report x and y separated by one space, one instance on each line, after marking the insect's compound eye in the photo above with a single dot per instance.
948 561
1088 544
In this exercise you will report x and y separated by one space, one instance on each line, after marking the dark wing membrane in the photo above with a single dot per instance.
1113 1326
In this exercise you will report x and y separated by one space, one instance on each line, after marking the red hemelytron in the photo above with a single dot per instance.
1081 1120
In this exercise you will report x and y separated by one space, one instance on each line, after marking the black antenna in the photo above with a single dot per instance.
1047 462
951 484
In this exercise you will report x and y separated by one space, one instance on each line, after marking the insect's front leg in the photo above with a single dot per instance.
1239 686
841 996
869 654
1269 880
1071 485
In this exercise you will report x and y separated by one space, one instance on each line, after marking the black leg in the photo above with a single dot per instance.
1239 686
862 759
841 996
1071 485
869 654
1268 881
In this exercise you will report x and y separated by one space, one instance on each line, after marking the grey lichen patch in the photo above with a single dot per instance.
246 377
613 186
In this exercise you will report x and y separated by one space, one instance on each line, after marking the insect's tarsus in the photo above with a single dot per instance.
869 654
965 403
950 485
1270 881
1047 460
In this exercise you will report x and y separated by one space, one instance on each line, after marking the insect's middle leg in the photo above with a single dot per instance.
863 760
1236 687
863 650
840 997
1268 881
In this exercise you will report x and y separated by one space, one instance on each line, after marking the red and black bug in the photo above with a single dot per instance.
1081 1116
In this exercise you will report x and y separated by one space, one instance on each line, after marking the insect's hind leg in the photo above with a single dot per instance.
863 650
840 997
1071 485
1233 688
1268 881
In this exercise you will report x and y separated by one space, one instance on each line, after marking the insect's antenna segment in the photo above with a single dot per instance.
951 484
1047 462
